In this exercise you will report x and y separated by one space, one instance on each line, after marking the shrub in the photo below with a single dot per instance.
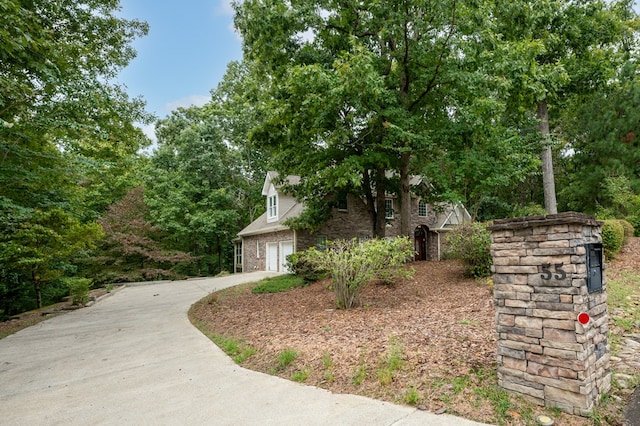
612 237
300 264
352 264
78 289
471 243
635 222
628 231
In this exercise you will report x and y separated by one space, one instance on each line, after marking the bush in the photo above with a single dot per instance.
352 264
628 231
612 237
300 264
635 222
78 289
471 243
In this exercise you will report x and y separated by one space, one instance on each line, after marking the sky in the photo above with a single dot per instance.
185 54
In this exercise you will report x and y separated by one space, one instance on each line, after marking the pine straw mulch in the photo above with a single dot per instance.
440 324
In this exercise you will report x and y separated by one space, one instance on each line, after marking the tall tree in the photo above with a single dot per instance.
63 124
553 49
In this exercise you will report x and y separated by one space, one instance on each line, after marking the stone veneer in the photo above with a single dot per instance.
544 354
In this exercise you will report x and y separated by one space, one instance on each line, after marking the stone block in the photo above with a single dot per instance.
568 307
504 294
576 347
561 315
511 303
554 244
552 251
515 269
536 238
566 298
505 319
542 297
523 296
513 288
510 330
563 396
560 353
519 252
520 346
533 332
569 364
523 339
567 373
541 260
558 290
514 364
511 279
536 369
559 335
512 311
559 324
511 353
528 322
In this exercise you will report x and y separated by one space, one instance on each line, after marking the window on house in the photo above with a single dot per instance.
388 208
272 208
422 209
321 242
239 255
342 203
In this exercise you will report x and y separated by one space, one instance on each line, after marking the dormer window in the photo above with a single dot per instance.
272 207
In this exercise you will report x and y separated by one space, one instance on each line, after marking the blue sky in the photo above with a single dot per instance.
184 55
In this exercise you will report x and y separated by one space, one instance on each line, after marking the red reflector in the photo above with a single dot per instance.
584 318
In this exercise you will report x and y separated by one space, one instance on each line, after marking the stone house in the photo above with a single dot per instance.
265 243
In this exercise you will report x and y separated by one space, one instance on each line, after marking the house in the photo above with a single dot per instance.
265 243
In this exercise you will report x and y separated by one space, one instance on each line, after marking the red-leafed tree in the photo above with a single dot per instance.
132 249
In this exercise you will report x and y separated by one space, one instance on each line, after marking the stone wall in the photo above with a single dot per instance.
540 276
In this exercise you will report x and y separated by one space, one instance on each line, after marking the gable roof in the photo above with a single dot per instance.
271 176
261 226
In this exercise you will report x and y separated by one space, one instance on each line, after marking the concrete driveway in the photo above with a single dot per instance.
134 359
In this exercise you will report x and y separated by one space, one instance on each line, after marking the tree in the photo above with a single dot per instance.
553 49
192 188
132 248
64 128
376 88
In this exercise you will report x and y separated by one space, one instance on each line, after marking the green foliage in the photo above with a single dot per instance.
612 237
278 284
352 264
471 243
236 349
78 289
628 231
285 358
300 376
301 264
411 396
132 249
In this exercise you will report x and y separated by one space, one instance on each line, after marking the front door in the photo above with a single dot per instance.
272 257
420 243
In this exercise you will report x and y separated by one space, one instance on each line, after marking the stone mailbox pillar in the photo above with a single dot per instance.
544 286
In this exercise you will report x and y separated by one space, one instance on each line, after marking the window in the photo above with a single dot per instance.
388 208
272 207
239 255
257 249
321 242
342 204
422 209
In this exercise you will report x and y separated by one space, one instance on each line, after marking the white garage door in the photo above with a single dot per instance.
272 257
286 248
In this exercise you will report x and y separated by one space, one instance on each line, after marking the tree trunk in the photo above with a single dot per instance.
548 181
37 288
381 223
405 195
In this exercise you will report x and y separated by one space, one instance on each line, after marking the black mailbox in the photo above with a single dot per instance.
594 267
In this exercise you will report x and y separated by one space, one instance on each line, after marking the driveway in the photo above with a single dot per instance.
135 359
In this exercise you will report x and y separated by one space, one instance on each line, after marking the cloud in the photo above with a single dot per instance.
225 8
197 100
150 131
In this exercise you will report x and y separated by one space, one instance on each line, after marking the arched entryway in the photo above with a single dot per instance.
421 242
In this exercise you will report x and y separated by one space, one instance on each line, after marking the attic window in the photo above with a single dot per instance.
388 208
422 209
272 207
342 204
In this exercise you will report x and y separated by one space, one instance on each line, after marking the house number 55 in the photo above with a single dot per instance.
547 274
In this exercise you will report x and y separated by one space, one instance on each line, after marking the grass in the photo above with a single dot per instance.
278 284
394 360
300 376
285 358
236 349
